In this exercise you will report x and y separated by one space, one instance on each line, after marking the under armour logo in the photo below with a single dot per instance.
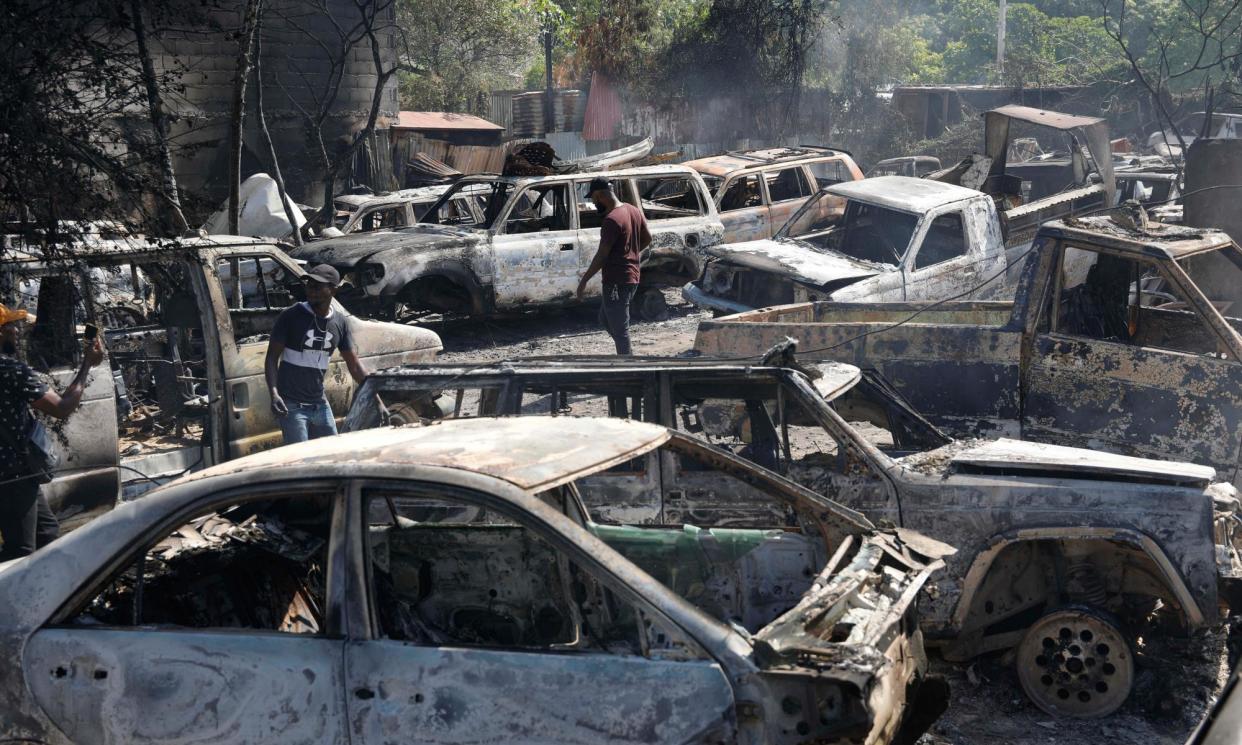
316 339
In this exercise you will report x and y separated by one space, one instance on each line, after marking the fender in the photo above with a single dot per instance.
452 269
983 561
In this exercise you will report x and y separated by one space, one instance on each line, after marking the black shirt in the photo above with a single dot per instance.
19 387
309 341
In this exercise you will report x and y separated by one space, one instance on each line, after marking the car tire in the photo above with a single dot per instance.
649 305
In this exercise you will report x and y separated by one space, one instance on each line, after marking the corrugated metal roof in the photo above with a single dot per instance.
443 120
603 110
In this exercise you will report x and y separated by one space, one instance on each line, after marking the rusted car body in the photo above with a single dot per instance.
188 359
1117 340
757 190
363 213
1038 528
1076 177
880 239
446 583
529 246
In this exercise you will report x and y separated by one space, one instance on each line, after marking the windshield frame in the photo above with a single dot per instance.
456 189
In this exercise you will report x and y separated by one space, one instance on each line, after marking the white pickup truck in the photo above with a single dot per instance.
890 238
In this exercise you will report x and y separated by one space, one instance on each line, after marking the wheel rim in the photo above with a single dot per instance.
1075 663
652 306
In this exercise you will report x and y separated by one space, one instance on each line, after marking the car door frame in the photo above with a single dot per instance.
780 212
964 272
546 247
1049 340
759 215
61 633
362 617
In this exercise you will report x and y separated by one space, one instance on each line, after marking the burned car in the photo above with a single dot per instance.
757 190
1104 547
884 238
527 248
446 582
185 325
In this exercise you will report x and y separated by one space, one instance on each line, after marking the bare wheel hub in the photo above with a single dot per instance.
1075 662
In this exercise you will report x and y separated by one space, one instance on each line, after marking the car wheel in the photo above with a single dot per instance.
650 305
1075 662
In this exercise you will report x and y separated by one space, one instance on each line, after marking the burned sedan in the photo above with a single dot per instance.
445 582
1048 538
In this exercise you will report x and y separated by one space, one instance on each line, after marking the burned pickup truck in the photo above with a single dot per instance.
447 583
1040 530
1120 338
526 248
185 326
878 239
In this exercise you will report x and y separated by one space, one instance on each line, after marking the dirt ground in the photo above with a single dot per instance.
1176 681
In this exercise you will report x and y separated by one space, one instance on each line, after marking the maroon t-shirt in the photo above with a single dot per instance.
622 234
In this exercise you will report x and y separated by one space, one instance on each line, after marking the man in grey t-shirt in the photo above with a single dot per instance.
298 354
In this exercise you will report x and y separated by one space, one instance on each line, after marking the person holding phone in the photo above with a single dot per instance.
26 521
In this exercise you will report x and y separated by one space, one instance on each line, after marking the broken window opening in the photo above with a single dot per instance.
257 289
669 197
945 240
1115 299
541 208
787 184
743 193
256 564
447 571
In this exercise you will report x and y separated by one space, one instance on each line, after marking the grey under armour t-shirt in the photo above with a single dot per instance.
309 342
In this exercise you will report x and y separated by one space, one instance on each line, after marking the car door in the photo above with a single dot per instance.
86 479
589 222
230 638
480 635
743 211
945 261
536 252
1102 374
787 188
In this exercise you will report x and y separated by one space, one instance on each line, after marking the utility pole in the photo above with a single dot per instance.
1000 39
549 123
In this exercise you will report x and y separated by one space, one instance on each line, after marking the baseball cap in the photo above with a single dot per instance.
324 274
599 184
9 315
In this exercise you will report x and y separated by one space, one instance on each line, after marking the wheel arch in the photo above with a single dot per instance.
984 561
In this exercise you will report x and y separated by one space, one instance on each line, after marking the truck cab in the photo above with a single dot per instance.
185 327
889 238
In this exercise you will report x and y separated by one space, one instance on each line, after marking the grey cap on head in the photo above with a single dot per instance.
599 184
324 274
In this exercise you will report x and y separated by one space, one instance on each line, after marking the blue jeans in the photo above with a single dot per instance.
307 421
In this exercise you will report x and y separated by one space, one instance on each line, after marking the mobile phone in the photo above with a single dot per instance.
92 331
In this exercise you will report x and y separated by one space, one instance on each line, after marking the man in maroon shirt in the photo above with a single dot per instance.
622 237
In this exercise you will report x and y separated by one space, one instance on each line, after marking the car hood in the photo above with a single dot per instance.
351 250
1055 461
798 262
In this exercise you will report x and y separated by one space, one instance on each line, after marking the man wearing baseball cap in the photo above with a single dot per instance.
26 521
298 354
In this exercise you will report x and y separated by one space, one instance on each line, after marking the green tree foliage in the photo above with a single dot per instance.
460 49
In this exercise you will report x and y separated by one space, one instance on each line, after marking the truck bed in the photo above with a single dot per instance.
927 357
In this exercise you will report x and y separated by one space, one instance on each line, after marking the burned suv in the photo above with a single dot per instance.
521 242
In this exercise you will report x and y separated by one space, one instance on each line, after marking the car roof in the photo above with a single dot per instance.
903 193
835 377
616 173
532 453
121 248
1159 241
722 165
